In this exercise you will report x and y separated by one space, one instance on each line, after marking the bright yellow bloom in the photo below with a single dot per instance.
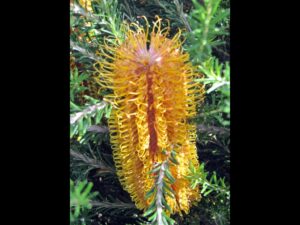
154 96
87 4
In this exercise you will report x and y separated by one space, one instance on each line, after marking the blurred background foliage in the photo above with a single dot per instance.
96 194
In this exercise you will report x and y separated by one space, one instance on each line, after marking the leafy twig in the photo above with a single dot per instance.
199 176
213 129
179 8
84 51
91 162
106 204
159 194
89 110
163 179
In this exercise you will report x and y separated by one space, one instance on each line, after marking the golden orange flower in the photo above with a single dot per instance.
154 95
86 4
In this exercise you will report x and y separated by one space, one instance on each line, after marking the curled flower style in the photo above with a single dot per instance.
154 96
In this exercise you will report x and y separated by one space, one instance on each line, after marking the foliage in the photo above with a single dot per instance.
208 22
83 117
80 197
205 25
208 185
217 80
166 9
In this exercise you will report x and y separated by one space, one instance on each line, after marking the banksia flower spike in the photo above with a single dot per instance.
153 98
